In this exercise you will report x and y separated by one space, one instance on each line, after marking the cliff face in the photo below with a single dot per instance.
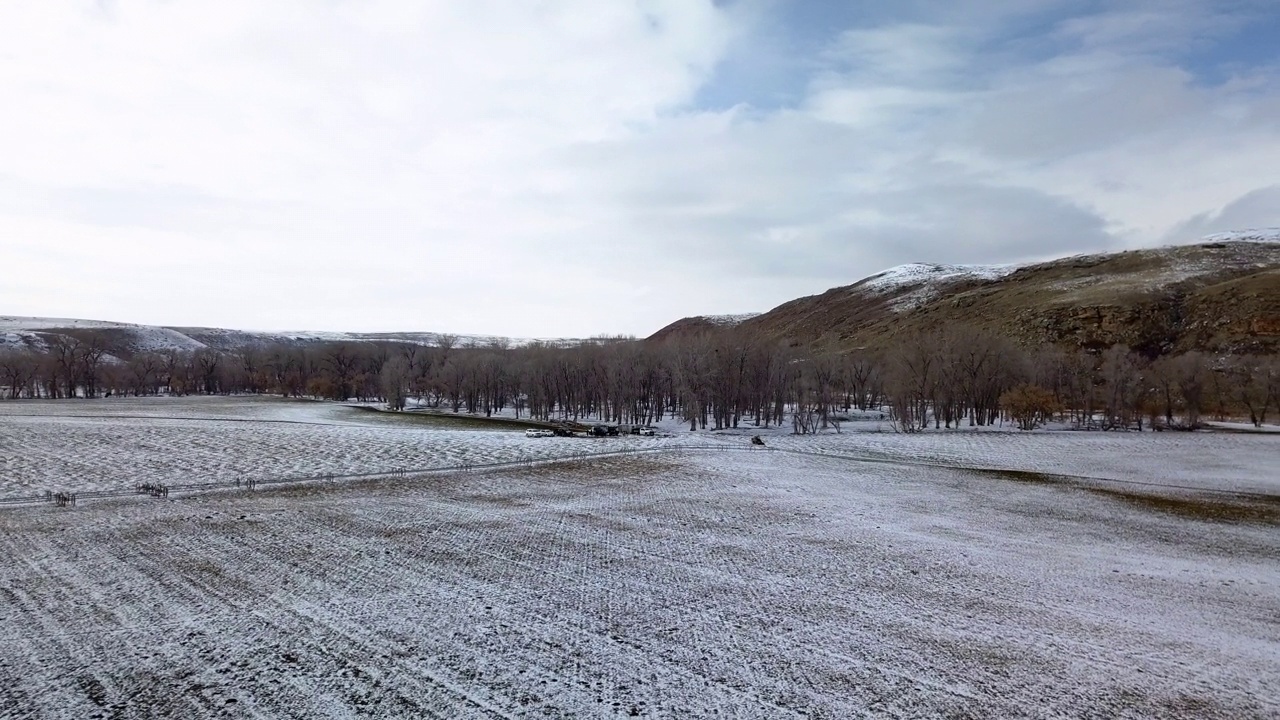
1217 296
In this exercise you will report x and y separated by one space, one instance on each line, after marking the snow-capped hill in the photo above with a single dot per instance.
124 340
1218 295
728 320
430 339
916 284
1137 271
912 274
14 323
701 324
1253 235
33 331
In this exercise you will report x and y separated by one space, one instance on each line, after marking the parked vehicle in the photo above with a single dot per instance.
537 433
645 431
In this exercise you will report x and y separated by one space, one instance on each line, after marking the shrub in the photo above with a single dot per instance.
1028 405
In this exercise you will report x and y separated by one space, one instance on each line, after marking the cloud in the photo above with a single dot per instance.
1255 210
346 142
576 167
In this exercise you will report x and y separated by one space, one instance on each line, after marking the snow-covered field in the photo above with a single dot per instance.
853 575
115 444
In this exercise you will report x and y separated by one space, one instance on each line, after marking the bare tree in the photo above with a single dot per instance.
341 361
1163 375
1271 378
64 355
1192 375
1122 387
18 371
143 373
92 354
1249 378
911 379
861 378
395 377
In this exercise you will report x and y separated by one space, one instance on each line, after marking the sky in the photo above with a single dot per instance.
583 167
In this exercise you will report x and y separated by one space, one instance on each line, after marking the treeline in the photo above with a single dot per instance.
959 377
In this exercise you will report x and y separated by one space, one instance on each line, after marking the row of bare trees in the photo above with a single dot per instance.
957 377
971 376
71 368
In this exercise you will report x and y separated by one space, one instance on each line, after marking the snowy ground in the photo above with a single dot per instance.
1226 461
78 446
117 443
689 583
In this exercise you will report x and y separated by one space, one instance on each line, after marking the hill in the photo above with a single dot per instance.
124 340
700 324
1222 294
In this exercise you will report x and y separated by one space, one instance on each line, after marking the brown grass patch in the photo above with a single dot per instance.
1264 508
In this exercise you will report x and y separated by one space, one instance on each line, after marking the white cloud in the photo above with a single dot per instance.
1254 210
540 169
395 141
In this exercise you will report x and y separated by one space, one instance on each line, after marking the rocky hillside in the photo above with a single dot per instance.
1222 295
